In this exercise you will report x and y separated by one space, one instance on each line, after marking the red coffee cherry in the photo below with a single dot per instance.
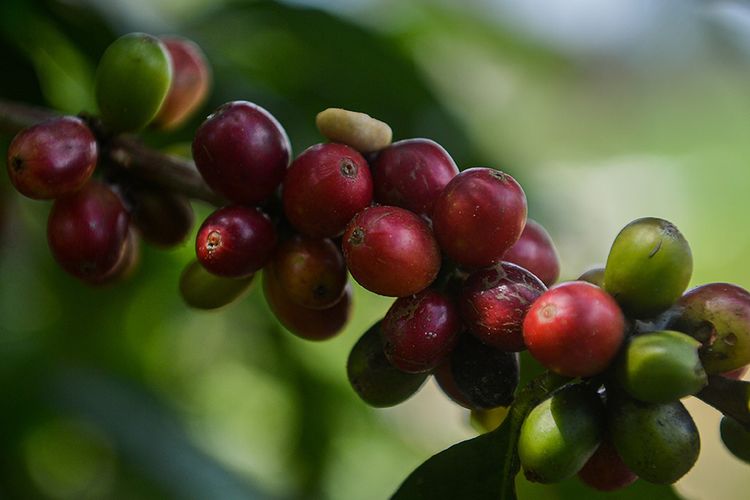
391 251
536 252
605 470
479 215
311 271
235 241
575 329
53 158
494 302
163 218
411 174
127 263
309 324
86 231
242 152
324 188
419 331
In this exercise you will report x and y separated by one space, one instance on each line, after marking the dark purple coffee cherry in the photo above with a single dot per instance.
605 470
163 218
535 252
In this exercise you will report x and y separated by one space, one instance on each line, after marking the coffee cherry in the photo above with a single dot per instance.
660 367
325 187
373 378
235 241
419 331
309 324
444 378
561 434
411 174
595 276
657 441
736 374
203 290
310 271
163 218
53 158
717 315
648 267
358 130
736 438
605 470
391 251
479 215
86 231
535 252
486 377
494 302
191 79
574 329
127 263
242 152
132 81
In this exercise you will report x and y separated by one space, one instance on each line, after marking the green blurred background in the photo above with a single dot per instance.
604 111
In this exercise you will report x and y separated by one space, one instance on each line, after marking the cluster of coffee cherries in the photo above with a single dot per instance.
97 221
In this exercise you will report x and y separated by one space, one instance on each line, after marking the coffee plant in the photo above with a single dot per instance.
474 280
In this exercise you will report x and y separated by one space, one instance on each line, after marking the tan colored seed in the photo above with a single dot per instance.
358 130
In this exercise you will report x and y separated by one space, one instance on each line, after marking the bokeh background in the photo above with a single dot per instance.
604 111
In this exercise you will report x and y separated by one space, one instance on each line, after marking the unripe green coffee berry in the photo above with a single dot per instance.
132 81
595 276
657 441
203 290
373 378
648 267
660 367
736 438
560 434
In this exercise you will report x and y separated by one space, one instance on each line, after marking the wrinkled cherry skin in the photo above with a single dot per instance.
391 251
419 331
575 329
411 174
53 158
235 241
536 252
479 215
309 324
311 271
494 302
87 231
324 188
605 470
242 152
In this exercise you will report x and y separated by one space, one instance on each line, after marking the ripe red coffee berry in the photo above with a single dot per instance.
53 158
536 252
575 329
242 152
324 188
87 230
411 174
391 251
494 302
235 241
605 470
419 331
479 215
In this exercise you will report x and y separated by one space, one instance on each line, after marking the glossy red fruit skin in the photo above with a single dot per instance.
447 383
479 215
419 331
575 329
605 470
87 231
242 152
494 302
411 174
309 324
53 158
235 241
324 188
536 252
391 251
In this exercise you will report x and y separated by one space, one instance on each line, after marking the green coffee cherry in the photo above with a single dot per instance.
132 81
648 267
657 441
373 378
203 290
660 367
595 276
560 434
736 438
